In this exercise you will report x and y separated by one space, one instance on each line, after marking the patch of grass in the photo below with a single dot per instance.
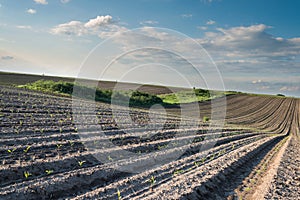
135 98
189 96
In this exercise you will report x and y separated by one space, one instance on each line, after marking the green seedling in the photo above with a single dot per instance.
178 172
59 146
119 194
27 149
11 150
109 158
48 171
71 143
152 181
81 163
27 174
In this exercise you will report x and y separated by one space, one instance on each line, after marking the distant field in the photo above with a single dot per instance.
22 79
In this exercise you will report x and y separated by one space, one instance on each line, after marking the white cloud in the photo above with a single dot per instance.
203 28
24 27
256 81
148 22
102 26
44 2
31 11
187 15
290 88
210 22
98 21
252 52
65 1
70 28
251 40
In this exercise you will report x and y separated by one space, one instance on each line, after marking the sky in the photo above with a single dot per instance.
243 45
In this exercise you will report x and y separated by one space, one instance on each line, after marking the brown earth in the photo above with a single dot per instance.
40 138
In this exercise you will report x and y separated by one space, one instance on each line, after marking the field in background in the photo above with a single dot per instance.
44 157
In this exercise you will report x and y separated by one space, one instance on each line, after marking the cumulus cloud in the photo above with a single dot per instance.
44 2
102 26
70 28
251 51
31 11
250 43
210 22
98 21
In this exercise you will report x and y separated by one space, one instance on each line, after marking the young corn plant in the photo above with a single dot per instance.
177 172
11 150
80 163
152 182
48 171
71 143
109 158
27 174
27 149
203 160
119 195
59 146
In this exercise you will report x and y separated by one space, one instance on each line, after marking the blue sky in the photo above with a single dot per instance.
254 44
